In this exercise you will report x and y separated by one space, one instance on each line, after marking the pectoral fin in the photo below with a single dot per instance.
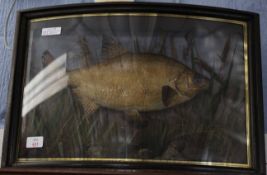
168 95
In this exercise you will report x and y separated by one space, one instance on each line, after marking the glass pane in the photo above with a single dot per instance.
136 87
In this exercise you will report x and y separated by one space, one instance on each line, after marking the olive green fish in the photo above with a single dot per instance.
135 82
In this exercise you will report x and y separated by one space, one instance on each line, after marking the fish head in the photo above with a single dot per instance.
191 83
183 87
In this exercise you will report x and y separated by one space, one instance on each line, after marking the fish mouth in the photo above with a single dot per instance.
205 84
201 82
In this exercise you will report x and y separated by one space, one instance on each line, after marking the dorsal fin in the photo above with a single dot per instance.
85 51
112 48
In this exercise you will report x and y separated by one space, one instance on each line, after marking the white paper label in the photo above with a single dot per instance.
51 31
35 142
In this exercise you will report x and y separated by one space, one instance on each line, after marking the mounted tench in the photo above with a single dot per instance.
135 82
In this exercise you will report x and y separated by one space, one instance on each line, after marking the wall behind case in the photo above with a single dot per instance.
258 6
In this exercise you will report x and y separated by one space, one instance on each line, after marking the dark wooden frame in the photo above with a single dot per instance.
17 78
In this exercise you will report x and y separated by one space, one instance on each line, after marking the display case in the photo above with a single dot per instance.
135 88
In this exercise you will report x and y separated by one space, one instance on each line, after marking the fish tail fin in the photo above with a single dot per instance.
47 58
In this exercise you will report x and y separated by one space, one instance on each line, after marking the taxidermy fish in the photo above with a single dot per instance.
135 82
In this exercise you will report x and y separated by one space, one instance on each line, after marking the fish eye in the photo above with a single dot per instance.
197 78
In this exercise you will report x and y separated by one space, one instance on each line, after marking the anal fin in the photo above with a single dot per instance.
89 106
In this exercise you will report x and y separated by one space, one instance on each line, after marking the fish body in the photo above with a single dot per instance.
136 82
